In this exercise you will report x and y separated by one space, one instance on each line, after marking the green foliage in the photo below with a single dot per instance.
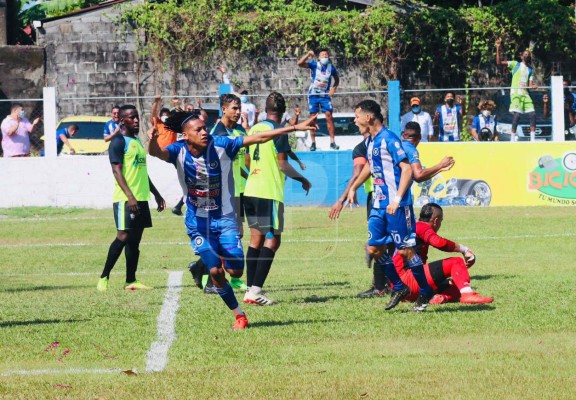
449 42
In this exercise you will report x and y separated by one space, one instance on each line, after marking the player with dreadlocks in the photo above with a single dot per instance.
206 164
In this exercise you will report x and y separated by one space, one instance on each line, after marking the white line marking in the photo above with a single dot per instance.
157 356
94 274
60 371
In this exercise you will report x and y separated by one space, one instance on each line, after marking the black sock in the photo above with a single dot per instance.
113 253
180 203
380 279
132 255
251 263
264 265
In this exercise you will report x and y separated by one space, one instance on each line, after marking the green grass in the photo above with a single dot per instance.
318 342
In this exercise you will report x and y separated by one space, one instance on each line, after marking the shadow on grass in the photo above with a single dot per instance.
44 287
322 299
464 307
264 324
311 286
8 324
487 277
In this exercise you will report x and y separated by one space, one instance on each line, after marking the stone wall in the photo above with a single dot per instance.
88 56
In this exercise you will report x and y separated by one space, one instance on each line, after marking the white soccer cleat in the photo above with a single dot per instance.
258 299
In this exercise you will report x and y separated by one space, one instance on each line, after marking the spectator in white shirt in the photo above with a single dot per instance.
421 117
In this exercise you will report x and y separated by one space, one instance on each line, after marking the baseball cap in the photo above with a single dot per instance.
414 101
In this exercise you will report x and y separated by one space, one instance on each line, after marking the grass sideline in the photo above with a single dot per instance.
319 342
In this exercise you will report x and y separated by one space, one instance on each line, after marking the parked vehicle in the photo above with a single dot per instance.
345 131
90 138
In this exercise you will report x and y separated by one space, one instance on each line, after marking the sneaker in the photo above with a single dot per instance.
421 304
396 297
177 211
197 271
313 146
241 323
474 298
439 299
210 288
373 292
136 286
334 146
258 299
238 283
102 285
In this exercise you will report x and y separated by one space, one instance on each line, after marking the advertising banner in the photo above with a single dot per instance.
500 174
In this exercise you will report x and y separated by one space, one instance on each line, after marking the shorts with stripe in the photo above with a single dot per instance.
126 220
399 228
266 215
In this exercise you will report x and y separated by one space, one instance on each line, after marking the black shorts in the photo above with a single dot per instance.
125 220
239 208
264 214
437 275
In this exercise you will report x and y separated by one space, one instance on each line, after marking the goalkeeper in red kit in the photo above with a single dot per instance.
448 277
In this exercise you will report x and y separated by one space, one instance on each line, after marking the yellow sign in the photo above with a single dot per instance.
500 174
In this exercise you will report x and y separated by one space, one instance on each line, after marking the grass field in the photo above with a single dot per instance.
318 342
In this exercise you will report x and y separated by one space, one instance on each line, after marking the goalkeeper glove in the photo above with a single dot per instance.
469 256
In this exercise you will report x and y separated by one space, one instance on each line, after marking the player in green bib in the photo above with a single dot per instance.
522 80
131 194
264 199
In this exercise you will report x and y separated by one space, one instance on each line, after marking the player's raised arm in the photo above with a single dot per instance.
423 174
264 137
154 148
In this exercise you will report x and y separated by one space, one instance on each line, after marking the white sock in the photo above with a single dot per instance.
466 289
255 289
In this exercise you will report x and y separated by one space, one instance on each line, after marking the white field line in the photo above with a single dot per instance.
157 356
95 274
61 371
335 240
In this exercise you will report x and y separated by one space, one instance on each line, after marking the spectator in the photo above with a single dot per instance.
569 109
448 118
113 126
62 136
165 136
321 92
421 117
248 110
16 131
484 124
520 100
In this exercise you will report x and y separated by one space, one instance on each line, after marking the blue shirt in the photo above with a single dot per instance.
321 78
385 152
209 177
110 127
59 142
450 123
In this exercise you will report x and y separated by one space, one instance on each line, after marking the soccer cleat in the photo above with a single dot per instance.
136 286
421 304
373 292
197 271
177 211
241 323
474 298
238 283
439 299
258 299
396 297
102 284
334 146
210 288
313 146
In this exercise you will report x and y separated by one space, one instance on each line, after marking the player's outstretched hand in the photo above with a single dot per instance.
469 258
309 124
447 163
334 212
161 203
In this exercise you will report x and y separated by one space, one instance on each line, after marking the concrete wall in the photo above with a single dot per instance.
78 181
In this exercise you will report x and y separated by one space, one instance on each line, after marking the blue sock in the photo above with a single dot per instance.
390 270
227 294
417 268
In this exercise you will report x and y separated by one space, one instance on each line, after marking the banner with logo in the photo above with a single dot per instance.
500 174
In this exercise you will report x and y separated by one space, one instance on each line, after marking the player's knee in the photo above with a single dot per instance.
235 273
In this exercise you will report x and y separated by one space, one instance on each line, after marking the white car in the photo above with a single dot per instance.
346 133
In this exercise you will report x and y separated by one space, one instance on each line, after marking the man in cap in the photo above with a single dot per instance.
421 117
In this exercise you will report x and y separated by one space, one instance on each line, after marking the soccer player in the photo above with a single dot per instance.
391 222
448 117
264 199
439 272
206 162
131 195
228 126
522 80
